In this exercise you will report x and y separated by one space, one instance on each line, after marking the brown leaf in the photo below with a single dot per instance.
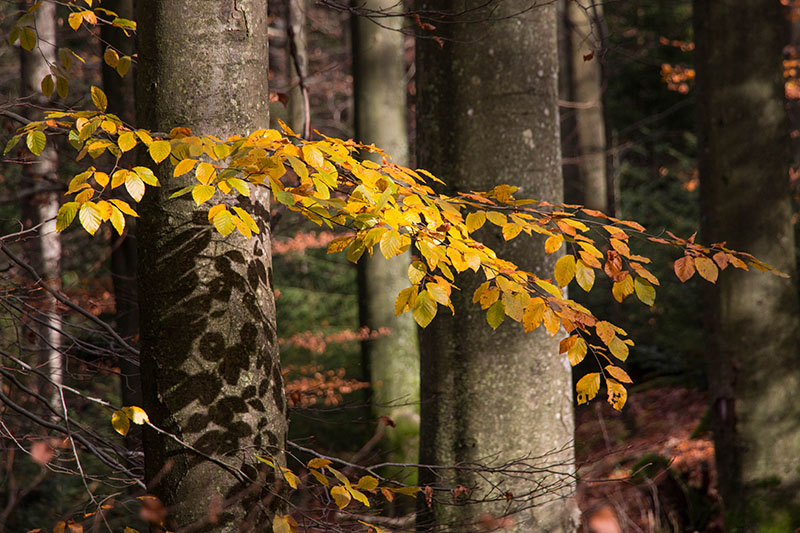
459 491
388 421
428 496
684 268
42 452
589 56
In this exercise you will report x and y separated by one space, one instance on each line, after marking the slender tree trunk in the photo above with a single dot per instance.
585 95
297 62
209 351
43 206
487 114
754 348
380 109
120 93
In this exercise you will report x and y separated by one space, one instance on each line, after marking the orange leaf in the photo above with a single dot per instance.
684 268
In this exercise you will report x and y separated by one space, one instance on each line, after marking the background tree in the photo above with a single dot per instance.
380 119
41 203
210 367
752 320
503 395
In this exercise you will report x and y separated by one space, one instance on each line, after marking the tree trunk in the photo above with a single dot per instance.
120 93
297 62
209 352
380 109
754 354
42 206
487 114
585 98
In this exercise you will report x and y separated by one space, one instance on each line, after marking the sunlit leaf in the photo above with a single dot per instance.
341 496
120 422
99 98
90 217
203 193
36 141
565 270
159 150
684 268
706 268
587 387
644 291
66 214
496 314
617 394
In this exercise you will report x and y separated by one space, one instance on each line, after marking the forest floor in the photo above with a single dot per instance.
650 468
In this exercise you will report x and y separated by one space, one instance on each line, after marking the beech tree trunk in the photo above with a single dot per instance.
42 206
487 114
380 109
753 322
583 90
209 351
296 58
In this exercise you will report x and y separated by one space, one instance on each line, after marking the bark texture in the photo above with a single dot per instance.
380 109
754 354
41 207
487 114
209 351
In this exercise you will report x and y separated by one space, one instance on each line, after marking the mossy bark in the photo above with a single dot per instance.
209 352
753 343
380 119
487 115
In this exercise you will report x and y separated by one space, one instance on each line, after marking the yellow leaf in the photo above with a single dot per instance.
391 244
105 209
299 167
617 394
284 524
135 186
584 275
553 243
123 66
358 495
124 207
339 244
416 271
618 374
247 219
90 217
706 268
36 141
425 309
605 331
622 289
587 387
498 219
291 478
136 414
99 98
620 247
533 315
405 300
320 477
577 352
184 166
66 214
618 348
341 496
101 178
117 220
475 221
223 221
552 323
202 193
313 156
126 141
644 291
318 462
120 422
511 230
111 57
62 86
565 270
205 173
367 483
241 226
159 150
439 292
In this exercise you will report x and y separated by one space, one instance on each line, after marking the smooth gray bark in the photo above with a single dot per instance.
209 351
297 61
753 342
380 109
487 114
